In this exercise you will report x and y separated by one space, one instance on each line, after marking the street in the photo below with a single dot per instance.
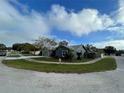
25 81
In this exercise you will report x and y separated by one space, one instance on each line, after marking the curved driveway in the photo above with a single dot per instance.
24 81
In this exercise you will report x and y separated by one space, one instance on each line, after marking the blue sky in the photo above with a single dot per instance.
104 6
97 22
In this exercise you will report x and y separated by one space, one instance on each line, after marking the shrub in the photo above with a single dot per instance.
53 54
25 52
69 56
79 56
90 55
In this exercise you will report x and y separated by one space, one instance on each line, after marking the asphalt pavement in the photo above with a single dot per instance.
25 81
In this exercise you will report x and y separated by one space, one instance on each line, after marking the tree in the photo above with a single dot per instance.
2 47
16 46
28 47
63 43
109 50
119 52
45 42
25 47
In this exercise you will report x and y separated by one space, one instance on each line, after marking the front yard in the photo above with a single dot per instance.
102 65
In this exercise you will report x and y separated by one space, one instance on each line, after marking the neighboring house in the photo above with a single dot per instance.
78 49
2 53
46 52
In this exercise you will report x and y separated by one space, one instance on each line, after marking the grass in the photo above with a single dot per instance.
50 59
102 65
13 54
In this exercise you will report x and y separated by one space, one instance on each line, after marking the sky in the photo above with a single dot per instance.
96 22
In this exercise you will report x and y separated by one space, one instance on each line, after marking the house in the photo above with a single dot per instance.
61 51
46 51
78 49
3 53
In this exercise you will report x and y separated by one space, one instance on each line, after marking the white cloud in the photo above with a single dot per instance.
119 44
118 18
118 27
83 22
17 27
120 14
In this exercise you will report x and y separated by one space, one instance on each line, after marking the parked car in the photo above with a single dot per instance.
2 53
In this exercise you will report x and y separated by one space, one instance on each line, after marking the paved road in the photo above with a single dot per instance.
24 81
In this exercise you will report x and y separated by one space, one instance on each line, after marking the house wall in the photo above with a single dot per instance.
46 53
79 49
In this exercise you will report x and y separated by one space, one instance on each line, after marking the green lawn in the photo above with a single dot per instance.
102 65
50 59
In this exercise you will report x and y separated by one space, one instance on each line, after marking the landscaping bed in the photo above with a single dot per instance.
102 65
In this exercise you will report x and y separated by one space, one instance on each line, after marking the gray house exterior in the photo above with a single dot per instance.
61 51
78 49
46 52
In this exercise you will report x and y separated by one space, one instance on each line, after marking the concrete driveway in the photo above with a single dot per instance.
24 81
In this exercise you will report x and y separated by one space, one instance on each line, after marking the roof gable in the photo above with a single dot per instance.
77 48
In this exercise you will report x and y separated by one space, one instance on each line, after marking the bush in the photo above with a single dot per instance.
79 56
90 55
118 53
25 52
109 50
53 53
69 56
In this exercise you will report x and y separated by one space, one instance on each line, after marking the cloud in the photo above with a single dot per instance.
117 27
81 23
120 14
119 44
15 26
118 18
18 27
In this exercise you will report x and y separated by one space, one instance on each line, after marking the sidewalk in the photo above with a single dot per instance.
28 58
69 63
